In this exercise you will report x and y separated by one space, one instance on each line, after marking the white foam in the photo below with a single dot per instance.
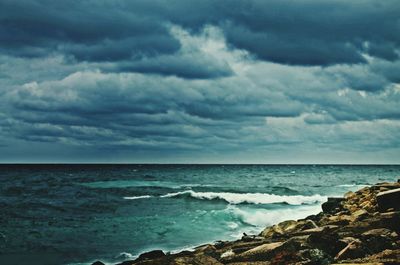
138 197
232 225
260 218
253 198
353 185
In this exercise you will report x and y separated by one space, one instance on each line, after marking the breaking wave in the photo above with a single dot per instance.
137 197
250 198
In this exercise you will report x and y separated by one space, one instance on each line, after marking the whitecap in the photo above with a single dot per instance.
260 218
138 197
252 198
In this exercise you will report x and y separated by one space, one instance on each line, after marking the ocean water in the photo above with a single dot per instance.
75 214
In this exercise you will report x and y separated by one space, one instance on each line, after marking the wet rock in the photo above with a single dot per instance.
98 263
155 254
333 205
219 244
279 229
388 199
287 227
249 238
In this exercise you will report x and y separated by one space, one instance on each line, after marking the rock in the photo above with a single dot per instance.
219 244
333 205
309 231
326 240
388 199
155 254
369 263
98 263
349 195
262 252
390 220
341 219
377 240
359 215
352 251
288 253
195 260
279 229
249 238
315 256
288 227
227 254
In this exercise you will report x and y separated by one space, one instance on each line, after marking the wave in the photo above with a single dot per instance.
260 218
353 185
251 198
138 197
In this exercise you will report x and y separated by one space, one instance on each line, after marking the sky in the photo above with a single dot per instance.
204 81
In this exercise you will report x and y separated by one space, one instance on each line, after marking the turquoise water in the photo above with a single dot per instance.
68 214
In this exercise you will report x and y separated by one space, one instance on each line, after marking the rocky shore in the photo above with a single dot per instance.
362 227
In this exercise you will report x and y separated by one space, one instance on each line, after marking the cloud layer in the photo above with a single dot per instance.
200 81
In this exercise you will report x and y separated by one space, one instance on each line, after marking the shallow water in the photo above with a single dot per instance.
79 213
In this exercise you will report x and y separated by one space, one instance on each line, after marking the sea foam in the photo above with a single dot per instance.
137 197
251 198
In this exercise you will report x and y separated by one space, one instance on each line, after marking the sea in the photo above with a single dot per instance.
77 214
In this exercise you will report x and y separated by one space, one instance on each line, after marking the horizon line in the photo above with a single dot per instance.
156 163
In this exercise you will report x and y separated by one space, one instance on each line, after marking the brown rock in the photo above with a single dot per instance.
279 229
349 195
377 240
155 254
197 259
262 252
98 263
334 204
340 219
359 215
388 199
326 240
369 263
352 251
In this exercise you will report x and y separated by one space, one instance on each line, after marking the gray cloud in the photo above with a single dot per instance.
306 33
146 81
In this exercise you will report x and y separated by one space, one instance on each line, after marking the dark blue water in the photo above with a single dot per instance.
67 214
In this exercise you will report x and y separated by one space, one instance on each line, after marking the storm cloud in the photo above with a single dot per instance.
200 81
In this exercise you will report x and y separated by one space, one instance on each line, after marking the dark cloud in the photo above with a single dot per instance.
208 80
304 33
200 67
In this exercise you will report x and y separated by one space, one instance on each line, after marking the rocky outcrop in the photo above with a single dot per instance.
363 227
389 199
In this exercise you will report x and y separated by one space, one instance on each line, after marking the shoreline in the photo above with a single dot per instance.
361 227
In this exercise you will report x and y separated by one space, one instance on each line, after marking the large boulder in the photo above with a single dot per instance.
379 239
98 263
155 254
262 252
333 205
327 240
287 227
388 199
353 250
